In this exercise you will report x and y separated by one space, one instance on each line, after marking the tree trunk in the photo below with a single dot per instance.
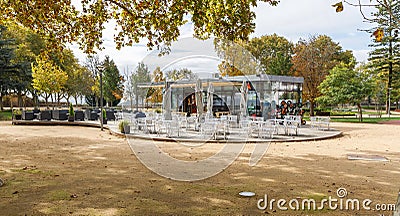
36 100
19 95
58 100
390 75
52 100
131 100
137 99
76 100
312 107
1 102
360 112
47 100
68 97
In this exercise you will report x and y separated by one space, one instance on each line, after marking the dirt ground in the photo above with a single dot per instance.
60 170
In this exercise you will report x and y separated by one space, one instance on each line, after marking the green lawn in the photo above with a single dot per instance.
5 115
365 119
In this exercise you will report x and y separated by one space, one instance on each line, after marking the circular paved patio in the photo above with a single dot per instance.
305 133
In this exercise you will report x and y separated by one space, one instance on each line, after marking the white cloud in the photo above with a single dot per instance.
296 19
361 55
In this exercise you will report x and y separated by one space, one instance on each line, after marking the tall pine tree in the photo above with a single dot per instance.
385 58
113 87
8 69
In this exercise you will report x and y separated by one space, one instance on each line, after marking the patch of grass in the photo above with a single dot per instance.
365 120
33 170
317 196
5 115
59 195
335 113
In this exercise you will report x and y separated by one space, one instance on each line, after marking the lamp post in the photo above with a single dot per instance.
389 89
100 69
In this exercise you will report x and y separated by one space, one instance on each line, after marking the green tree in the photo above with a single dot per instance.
237 60
141 75
92 64
179 74
385 57
157 21
273 54
112 82
48 78
313 60
226 69
8 69
79 81
155 94
25 50
346 85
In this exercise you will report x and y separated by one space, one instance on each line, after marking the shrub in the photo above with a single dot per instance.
17 112
71 110
104 114
122 125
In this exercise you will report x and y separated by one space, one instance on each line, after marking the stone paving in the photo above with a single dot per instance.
235 135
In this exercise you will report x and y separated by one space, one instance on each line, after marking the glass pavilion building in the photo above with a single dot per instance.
264 93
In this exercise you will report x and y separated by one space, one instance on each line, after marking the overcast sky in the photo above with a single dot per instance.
293 19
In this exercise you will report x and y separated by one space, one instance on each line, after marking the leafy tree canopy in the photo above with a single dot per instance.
273 54
112 81
313 60
155 95
179 74
345 85
156 20
237 60
48 78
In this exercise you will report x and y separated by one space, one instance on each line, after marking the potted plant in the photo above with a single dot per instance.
71 112
104 114
17 114
124 127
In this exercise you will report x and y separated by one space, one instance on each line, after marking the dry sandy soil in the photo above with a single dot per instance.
60 170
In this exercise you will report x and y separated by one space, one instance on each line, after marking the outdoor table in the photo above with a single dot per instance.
266 128
214 126
222 126
280 123
146 125
319 121
191 121
171 126
255 125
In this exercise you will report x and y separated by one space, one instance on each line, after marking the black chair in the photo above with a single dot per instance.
60 115
27 115
45 115
35 113
91 115
79 116
110 115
